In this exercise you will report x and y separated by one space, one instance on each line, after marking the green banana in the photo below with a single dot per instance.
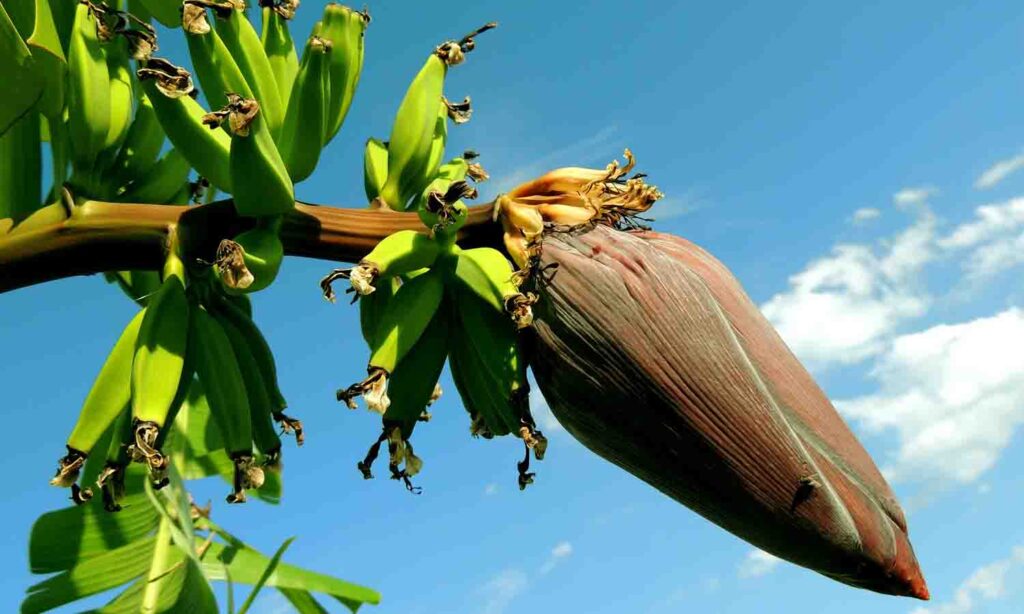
228 308
222 379
487 273
260 409
141 146
207 150
162 183
159 365
241 40
217 70
250 262
412 135
137 285
302 134
167 12
375 167
88 89
487 363
279 47
345 28
111 478
20 168
108 398
121 95
262 186
398 253
401 325
372 306
413 382
437 144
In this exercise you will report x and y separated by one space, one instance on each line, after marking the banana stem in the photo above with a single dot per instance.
100 236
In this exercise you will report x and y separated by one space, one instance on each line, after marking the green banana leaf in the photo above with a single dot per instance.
267 571
182 589
73 535
44 43
305 603
245 565
23 84
94 575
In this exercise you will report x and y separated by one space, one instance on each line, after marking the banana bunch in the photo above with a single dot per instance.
112 130
237 370
144 380
416 145
180 334
412 289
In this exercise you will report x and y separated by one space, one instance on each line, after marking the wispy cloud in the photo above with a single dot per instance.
864 215
913 196
595 149
757 563
842 309
674 206
994 174
950 391
993 240
988 583
499 592
491 489
560 552
503 588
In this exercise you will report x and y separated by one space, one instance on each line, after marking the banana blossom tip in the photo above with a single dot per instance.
650 353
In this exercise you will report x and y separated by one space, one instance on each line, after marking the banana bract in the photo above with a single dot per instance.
650 353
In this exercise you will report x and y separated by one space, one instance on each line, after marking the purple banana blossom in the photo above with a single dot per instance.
651 354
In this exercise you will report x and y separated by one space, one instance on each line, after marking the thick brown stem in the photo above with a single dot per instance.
100 236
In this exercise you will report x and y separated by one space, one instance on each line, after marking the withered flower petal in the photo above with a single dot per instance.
649 352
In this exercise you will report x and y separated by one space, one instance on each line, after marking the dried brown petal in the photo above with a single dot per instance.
172 81
193 18
230 263
651 355
459 112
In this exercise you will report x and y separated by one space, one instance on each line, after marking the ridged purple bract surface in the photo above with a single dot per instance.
651 354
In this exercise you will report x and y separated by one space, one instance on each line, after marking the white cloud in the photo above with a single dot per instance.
913 196
541 411
560 552
491 489
987 583
501 590
864 215
757 563
843 308
950 391
992 221
995 238
999 171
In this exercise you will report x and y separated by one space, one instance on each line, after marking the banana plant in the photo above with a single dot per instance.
190 389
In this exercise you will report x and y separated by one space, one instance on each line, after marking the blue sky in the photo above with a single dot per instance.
856 165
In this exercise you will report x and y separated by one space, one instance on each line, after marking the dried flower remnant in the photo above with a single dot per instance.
172 81
650 353
571 197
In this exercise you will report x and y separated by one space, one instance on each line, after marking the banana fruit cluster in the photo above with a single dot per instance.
424 300
189 333
397 172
